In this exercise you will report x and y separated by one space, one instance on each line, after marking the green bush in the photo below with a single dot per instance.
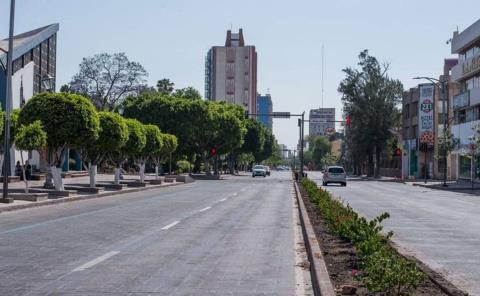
384 269
183 166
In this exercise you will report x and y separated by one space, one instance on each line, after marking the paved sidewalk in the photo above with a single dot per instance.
76 195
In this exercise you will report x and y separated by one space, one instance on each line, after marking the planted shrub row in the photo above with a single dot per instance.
382 269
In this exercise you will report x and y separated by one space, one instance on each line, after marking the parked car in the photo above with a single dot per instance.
259 170
267 169
335 174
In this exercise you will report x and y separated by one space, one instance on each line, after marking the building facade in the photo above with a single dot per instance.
466 101
231 73
413 158
321 122
34 70
265 106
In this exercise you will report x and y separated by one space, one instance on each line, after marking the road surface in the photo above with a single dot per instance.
439 227
229 237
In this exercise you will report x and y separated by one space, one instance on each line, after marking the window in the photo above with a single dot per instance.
405 133
414 131
415 109
406 111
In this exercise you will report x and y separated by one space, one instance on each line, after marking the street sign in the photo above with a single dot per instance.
281 114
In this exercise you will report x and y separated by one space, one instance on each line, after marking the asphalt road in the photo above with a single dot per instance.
440 228
229 237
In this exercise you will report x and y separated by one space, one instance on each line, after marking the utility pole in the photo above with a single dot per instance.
302 143
8 108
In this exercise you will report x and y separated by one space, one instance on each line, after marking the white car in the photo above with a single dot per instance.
259 170
335 174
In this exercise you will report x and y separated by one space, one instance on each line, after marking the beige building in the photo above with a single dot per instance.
231 73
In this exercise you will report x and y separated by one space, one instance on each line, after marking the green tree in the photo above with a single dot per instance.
153 146
188 93
28 138
170 144
268 147
69 121
320 147
136 142
112 136
165 86
370 97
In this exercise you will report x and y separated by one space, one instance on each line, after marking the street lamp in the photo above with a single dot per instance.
8 108
445 121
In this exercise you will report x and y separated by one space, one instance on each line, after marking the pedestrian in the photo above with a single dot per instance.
18 170
28 170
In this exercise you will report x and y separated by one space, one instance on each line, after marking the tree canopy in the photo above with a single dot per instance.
107 79
370 98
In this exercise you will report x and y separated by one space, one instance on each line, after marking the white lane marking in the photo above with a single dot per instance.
235 194
170 225
205 209
223 199
96 261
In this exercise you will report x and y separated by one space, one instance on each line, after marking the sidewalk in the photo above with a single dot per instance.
454 186
76 195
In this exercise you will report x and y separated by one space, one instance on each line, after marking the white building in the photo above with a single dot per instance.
466 103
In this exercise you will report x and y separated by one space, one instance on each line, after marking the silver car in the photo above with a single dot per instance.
259 170
335 174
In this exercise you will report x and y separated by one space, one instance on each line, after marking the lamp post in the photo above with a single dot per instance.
8 108
445 107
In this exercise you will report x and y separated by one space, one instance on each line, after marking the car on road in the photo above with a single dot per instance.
335 174
267 169
259 170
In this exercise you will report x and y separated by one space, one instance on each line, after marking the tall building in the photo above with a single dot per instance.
34 70
231 73
264 106
466 102
321 122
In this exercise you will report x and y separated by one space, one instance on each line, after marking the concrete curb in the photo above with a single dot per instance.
322 285
83 197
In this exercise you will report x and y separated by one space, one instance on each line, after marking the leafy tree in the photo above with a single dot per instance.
188 93
254 139
28 138
112 136
107 79
370 97
170 144
320 147
69 121
153 146
165 86
136 141
268 147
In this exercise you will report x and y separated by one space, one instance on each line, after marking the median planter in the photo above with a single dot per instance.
29 196
358 254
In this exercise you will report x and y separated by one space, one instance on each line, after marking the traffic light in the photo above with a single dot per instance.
398 152
213 152
349 120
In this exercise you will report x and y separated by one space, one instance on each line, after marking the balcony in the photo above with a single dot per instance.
467 68
461 100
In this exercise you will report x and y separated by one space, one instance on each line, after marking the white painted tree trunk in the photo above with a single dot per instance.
1 163
92 171
116 181
142 172
156 172
57 178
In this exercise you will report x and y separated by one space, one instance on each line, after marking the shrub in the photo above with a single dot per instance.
183 166
384 269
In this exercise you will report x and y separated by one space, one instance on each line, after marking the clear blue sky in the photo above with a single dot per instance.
170 39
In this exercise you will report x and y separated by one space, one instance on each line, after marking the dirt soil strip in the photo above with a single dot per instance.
321 282
84 197
341 259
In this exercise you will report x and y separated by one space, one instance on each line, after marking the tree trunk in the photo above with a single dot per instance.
57 178
142 172
23 172
205 163
92 172
370 165
116 181
377 162
156 171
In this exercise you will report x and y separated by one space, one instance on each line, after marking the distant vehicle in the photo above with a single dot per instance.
259 170
267 169
335 174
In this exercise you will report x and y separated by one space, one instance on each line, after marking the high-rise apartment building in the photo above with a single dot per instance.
321 122
231 73
265 106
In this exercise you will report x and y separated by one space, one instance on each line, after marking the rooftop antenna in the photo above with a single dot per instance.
231 27
323 53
